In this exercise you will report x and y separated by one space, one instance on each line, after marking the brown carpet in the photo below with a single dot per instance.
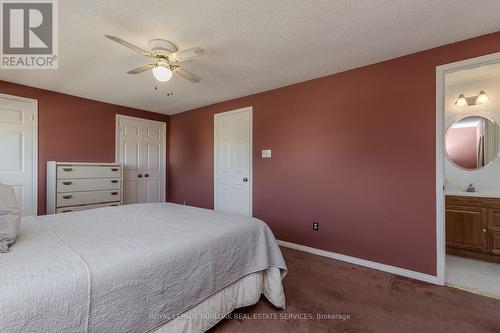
374 300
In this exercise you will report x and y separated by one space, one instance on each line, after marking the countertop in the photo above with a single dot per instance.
480 194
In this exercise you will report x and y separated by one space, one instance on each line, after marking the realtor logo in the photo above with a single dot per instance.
29 34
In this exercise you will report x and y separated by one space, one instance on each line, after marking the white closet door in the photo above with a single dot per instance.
141 150
233 162
129 151
153 162
17 150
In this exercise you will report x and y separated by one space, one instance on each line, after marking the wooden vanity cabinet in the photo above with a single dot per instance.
473 227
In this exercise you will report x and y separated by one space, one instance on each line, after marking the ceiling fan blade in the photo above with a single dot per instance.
185 74
130 46
189 54
141 69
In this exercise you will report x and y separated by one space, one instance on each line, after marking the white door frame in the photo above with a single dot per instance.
34 108
441 71
248 109
163 194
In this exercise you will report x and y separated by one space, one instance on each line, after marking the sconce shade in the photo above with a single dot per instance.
482 98
461 101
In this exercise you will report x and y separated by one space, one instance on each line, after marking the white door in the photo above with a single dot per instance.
141 150
18 149
233 161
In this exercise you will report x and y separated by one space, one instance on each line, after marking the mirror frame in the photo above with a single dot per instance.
446 136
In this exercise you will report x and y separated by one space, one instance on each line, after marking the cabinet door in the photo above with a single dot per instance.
465 228
494 219
494 242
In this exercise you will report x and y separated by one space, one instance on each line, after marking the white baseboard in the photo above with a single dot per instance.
362 262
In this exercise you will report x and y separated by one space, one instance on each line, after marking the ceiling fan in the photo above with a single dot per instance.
165 58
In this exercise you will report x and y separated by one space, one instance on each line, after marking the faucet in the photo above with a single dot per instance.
470 188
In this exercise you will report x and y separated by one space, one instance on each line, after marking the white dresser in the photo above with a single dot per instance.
78 186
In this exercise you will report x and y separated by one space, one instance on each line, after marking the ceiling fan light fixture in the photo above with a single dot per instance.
162 73
163 52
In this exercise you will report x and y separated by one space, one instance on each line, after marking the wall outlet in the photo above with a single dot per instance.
266 153
315 225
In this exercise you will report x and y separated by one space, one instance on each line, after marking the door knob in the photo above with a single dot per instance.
139 175
146 175
245 179
484 230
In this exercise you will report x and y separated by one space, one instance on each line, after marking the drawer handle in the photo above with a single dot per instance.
114 205
66 211
67 169
67 182
484 230
114 169
114 181
67 196
114 193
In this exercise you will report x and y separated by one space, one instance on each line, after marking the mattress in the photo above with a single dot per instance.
129 268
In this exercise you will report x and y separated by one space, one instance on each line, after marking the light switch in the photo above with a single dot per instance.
266 153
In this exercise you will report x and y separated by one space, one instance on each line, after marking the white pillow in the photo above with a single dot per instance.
9 217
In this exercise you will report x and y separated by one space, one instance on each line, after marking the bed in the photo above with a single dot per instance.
156 267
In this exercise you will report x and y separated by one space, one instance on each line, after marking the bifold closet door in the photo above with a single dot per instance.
141 150
152 162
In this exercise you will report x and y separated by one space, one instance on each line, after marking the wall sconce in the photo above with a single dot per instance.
482 98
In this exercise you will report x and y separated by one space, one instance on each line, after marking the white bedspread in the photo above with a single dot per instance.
115 269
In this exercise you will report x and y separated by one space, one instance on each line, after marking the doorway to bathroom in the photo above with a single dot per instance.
468 174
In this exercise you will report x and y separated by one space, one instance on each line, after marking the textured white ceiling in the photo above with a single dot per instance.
253 45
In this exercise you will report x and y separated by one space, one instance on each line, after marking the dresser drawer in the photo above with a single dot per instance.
87 184
87 171
86 207
86 198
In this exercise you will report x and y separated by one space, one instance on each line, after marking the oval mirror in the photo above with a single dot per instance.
472 142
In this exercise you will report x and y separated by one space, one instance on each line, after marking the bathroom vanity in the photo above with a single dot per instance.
473 225
472 212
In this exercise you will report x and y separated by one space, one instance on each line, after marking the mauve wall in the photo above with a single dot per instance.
355 150
73 129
